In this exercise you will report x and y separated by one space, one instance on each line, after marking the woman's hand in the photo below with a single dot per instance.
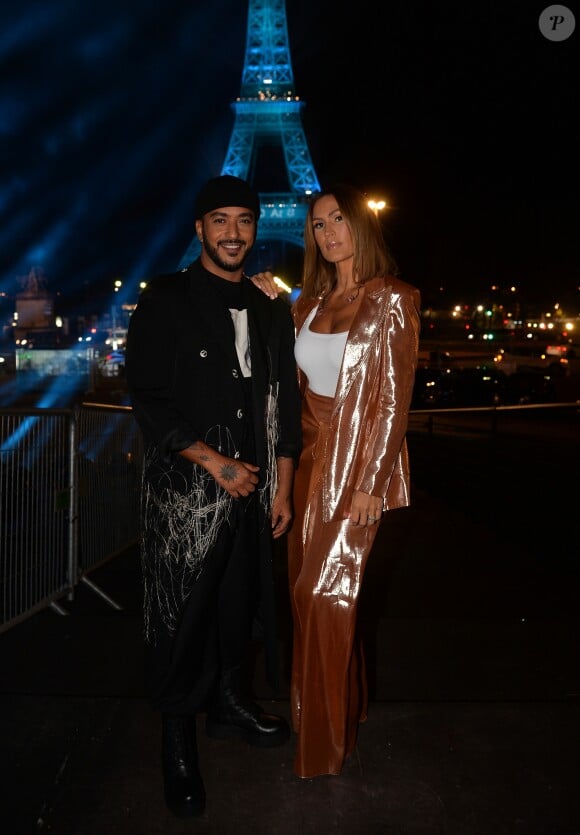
265 282
365 509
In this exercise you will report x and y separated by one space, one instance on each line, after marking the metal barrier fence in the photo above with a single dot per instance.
69 501
70 492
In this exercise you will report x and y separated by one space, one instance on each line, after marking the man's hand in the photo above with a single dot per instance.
281 515
237 477
265 282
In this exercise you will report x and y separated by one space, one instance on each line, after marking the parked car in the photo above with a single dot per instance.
530 386
432 389
454 388
563 350
434 359
112 364
529 358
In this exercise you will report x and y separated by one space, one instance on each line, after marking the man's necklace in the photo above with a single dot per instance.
322 305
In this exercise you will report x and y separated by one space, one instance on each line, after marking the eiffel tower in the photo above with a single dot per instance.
267 114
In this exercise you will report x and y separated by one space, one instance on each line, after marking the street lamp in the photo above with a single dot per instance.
377 206
117 286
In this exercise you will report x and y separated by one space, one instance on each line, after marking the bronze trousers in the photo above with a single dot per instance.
326 562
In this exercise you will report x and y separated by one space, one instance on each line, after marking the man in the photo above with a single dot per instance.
213 383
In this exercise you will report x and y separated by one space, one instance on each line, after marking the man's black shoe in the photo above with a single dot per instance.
183 786
237 716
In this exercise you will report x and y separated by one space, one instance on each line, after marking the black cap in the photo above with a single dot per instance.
226 191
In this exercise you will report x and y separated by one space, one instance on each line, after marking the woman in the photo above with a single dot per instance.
356 348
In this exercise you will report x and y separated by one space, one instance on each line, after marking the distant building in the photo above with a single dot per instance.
34 315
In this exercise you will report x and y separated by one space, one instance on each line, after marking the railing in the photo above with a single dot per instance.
483 419
70 491
69 501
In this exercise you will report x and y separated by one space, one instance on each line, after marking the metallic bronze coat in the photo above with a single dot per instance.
354 441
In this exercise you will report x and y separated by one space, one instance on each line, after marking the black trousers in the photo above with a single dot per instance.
182 669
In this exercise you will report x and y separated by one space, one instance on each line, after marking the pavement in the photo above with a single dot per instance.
470 607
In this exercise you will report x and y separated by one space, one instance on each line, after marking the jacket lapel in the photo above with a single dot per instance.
367 323
259 323
208 305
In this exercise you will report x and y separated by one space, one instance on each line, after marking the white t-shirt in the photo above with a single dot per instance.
240 320
319 356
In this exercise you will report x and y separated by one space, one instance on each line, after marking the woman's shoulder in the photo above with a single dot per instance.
393 285
398 285
303 305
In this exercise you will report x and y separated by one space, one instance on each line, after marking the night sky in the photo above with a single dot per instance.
461 115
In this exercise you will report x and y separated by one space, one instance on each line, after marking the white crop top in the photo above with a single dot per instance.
319 356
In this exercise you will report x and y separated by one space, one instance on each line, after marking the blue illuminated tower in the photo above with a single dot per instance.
268 113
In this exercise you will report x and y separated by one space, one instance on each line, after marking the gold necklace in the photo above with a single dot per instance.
322 305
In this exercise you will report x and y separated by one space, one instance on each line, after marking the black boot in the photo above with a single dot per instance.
184 789
232 714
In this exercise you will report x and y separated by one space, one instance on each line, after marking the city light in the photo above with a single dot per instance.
282 284
377 206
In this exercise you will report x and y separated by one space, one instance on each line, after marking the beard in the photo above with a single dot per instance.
229 266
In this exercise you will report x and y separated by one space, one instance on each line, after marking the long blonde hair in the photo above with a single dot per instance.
371 255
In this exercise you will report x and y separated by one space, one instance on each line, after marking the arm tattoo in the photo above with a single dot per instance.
229 472
202 456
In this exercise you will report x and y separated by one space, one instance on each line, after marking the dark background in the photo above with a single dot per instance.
461 115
